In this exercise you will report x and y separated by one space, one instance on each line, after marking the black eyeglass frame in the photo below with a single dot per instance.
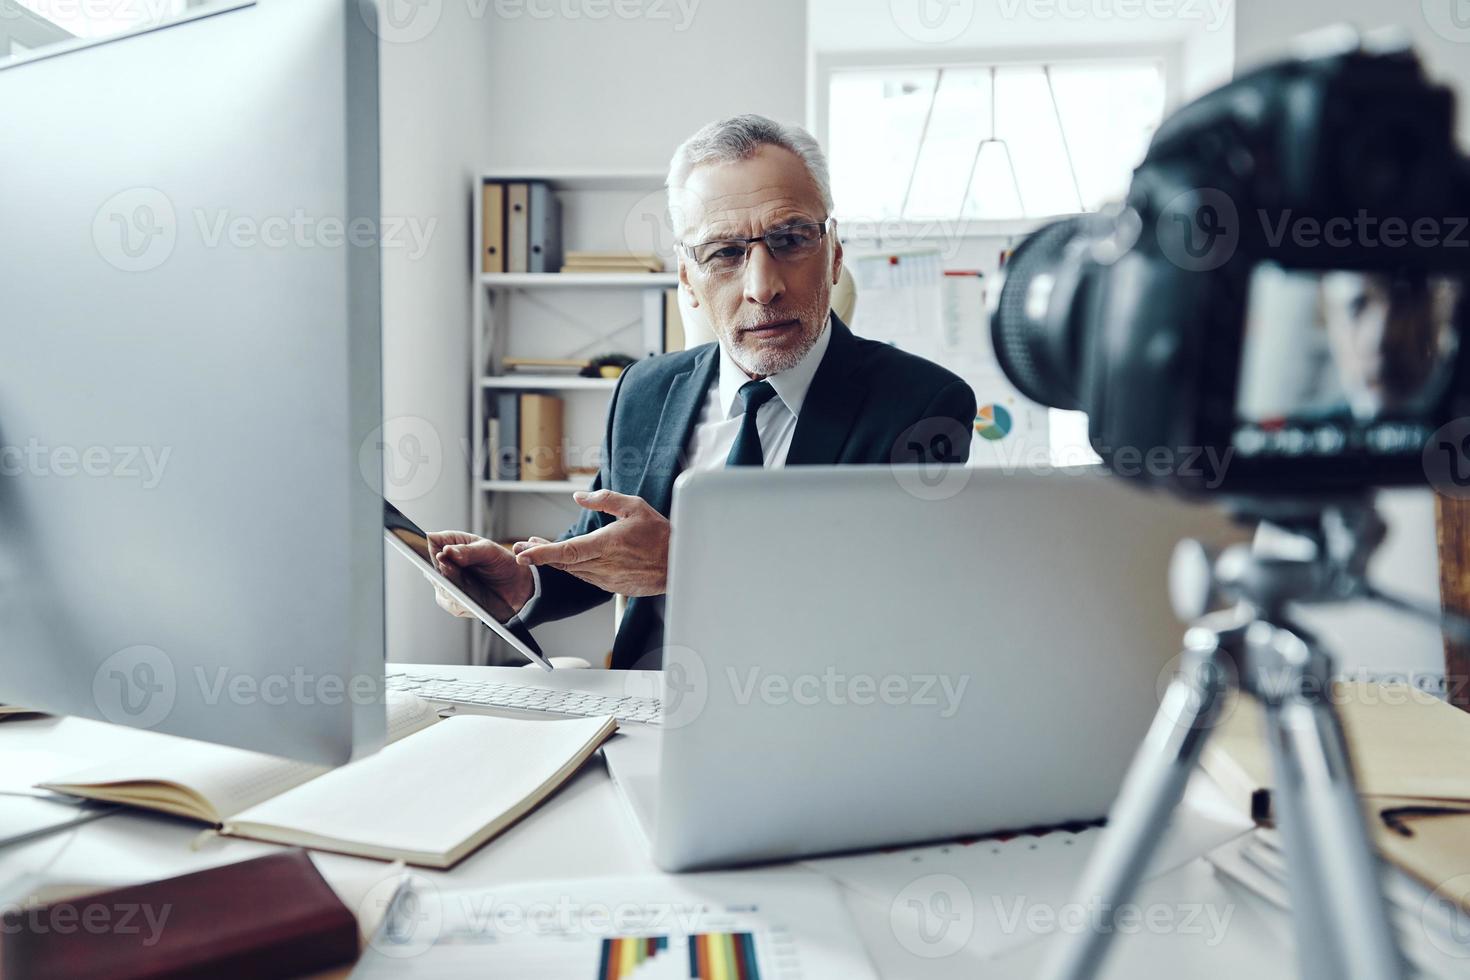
823 228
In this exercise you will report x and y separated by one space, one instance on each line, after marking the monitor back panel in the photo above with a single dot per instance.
190 381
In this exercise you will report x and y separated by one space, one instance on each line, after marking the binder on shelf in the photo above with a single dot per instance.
653 323
673 321
517 227
507 462
492 219
490 470
545 228
542 452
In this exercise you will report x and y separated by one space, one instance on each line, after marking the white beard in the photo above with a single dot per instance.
766 363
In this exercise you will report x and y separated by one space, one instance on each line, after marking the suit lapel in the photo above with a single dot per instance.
681 411
831 404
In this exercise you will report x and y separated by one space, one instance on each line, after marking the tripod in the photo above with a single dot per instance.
1340 917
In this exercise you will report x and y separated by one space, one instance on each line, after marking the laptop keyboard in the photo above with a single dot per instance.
521 697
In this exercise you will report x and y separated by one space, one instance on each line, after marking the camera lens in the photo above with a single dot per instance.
1036 330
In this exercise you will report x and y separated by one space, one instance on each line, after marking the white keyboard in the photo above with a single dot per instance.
521 697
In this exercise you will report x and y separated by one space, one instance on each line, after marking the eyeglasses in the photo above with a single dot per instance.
789 243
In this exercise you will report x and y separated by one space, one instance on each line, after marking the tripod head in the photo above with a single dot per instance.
1305 551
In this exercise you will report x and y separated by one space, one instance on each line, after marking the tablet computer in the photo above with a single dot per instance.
409 540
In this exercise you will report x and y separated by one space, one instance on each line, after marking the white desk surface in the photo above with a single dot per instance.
584 831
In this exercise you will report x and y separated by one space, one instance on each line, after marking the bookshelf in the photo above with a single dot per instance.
559 315
534 486
547 382
573 280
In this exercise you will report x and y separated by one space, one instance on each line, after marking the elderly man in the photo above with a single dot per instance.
786 384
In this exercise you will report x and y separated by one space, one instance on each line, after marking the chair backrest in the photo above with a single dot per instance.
696 325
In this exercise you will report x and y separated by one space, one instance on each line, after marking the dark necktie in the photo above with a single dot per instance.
747 448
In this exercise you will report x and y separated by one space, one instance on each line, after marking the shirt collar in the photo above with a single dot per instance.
791 385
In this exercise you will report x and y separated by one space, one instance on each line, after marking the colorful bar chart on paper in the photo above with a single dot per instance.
714 926
723 956
710 955
622 956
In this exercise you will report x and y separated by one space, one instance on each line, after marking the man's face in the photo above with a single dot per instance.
767 311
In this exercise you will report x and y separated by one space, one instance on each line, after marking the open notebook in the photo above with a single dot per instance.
436 792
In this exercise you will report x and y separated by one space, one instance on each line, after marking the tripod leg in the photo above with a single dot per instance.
1318 956
1150 792
1343 897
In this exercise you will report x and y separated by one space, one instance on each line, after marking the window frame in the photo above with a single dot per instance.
1169 58
194 10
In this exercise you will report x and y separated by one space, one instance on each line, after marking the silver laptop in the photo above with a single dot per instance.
869 656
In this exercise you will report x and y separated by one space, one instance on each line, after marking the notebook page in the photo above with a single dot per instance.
433 792
233 779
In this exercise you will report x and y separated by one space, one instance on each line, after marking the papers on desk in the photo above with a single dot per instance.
740 926
1430 925
1001 889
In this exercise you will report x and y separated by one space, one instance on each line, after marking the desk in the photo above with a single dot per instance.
584 831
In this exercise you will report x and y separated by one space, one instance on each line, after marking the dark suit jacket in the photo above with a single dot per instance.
863 397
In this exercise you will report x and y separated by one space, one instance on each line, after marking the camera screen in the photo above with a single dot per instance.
1336 361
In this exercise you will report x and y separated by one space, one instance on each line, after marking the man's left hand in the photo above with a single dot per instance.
629 556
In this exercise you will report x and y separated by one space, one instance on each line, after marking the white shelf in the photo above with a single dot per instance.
548 382
564 179
590 280
537 486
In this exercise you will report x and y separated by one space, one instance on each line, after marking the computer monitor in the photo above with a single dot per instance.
190 380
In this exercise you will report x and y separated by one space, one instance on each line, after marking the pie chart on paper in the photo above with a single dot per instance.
993 422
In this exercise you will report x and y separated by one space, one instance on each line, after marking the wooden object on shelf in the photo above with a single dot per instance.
492 238
542 450
612 262
542 363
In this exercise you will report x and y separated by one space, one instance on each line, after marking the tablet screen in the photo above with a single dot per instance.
411 541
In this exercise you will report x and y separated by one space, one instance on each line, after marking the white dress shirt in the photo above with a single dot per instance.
723 413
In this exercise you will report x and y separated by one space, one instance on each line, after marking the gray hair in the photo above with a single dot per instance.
738 138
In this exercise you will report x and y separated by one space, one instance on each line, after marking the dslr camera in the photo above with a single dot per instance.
1278 306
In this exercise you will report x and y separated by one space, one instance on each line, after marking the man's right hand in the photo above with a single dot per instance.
487 571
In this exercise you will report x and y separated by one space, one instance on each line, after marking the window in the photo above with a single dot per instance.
989 142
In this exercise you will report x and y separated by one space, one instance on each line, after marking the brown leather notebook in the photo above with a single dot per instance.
272 916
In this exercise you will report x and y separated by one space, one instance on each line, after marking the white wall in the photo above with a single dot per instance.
1365 637
475 85
621 93
433 91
